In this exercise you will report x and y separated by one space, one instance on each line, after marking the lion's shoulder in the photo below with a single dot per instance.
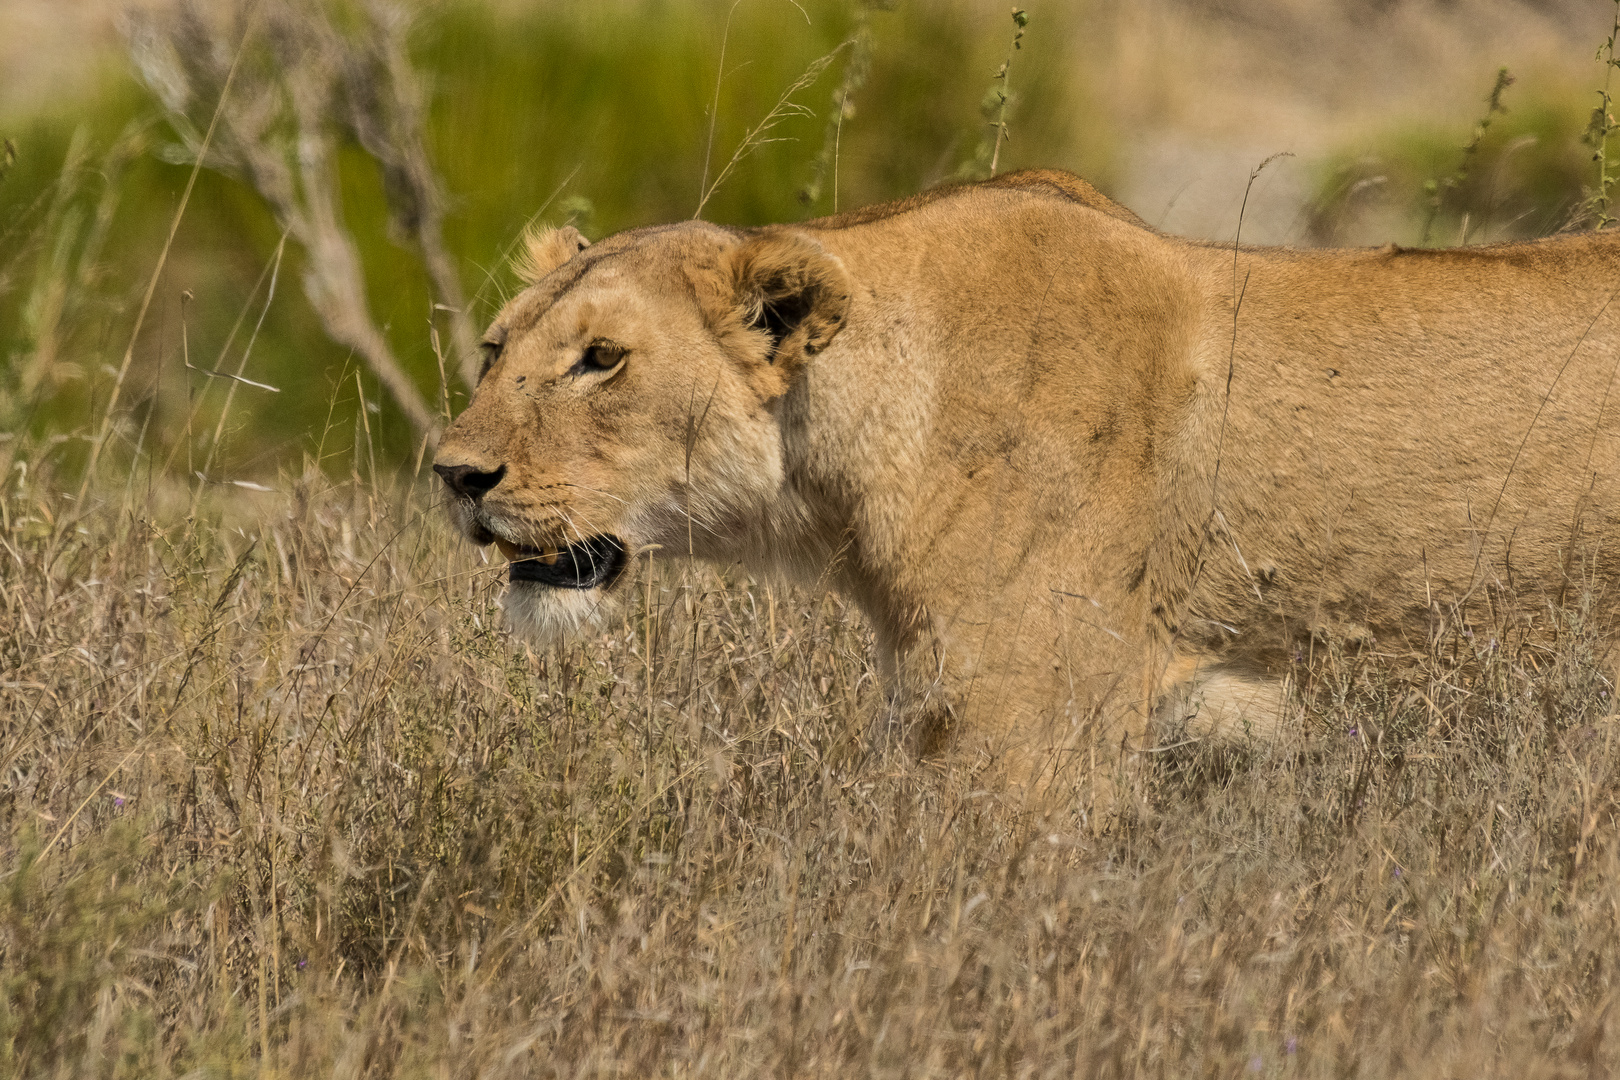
1064 185
1048 183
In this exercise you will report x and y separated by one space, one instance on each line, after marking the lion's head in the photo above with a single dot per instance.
628 402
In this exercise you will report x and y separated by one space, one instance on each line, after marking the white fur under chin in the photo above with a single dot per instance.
544 615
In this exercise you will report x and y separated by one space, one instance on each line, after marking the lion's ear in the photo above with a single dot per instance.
543 250
786 285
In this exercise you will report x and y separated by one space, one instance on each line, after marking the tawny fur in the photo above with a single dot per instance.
1077 474
543 250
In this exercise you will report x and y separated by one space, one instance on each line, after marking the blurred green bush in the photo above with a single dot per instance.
597 112
1414 182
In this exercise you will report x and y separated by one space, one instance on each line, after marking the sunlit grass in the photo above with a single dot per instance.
281 795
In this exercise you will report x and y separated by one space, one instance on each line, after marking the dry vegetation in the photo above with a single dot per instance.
281 797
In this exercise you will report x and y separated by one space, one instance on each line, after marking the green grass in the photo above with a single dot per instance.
1528 178
601 109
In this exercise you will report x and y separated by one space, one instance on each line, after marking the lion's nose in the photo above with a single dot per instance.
469 481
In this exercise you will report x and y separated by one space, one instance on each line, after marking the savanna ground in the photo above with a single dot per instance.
280 798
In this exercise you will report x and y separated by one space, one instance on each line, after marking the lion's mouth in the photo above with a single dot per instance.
588 565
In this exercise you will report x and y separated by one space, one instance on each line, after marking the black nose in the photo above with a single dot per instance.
469 481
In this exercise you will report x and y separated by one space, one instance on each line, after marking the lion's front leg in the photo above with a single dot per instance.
1064 724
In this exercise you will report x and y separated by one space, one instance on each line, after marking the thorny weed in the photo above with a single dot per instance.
1435 191
995 108
1600 127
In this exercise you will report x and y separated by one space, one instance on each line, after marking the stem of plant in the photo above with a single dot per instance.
1021 18
1603 123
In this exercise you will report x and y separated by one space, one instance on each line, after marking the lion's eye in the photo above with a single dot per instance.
601 356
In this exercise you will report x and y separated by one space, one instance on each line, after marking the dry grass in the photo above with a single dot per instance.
280 797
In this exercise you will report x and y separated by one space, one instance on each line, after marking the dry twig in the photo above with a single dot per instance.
303 89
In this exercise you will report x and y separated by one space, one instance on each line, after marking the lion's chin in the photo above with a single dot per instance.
545 614
554 592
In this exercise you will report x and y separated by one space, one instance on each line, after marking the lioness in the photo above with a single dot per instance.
1077 474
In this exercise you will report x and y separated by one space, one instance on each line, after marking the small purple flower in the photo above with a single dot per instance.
301 964
1292 1045
1397 873
119 801
1353 731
